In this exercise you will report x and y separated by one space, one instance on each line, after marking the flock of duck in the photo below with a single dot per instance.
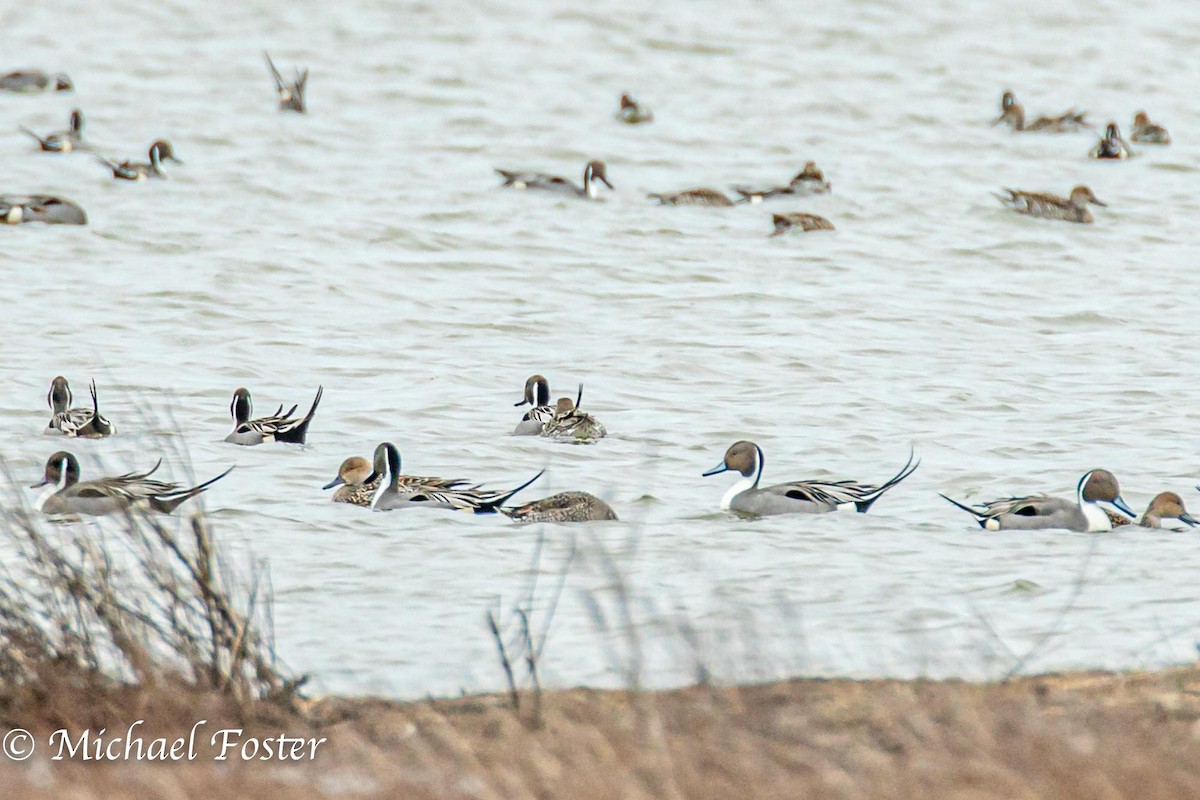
16 209
380 484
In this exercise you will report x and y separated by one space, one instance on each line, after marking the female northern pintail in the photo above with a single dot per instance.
632 112
357 482
394 493
279 427
49 209
159 152
1097 490
692 197
1166 505
291 95
571 423
809 180
1111 145
133 490
1012 113
62 141
563 507
1146 132
809 497
1051 206
595 172
537 396
801 221
83 423
28 81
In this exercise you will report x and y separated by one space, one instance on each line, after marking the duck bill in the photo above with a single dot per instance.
517 405
606 183
335 482
1188 519
1123 507
717 470
40 484
1096 202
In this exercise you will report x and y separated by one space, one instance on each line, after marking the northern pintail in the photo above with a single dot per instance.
62 141
632 112
28 81
1012 114
1112 145
563 507
159 152
394 493
808 497
537 396
133 490
1051 206
83 423
593 174
357 482
572 423
279 427
1097 490
291 94
1166 505
354 483
809 180
1146 132
800 220
692 197
49 209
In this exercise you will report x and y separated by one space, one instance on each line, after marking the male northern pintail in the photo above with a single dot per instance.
594 173
563 507
1097 490
279 427
49 209
133 490
632 112
537 396
572 423
1051 206
395 494
83 423
809 180
357 482
799 221
1012 113
62 141
1166 505
745 497
291 94
1112 145
159 152
28 81
692 197
1146 132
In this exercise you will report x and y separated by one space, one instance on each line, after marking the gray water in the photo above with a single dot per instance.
367 247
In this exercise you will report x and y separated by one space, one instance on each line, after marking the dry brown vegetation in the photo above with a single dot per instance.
1083 735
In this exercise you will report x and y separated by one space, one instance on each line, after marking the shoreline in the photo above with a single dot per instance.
1068 734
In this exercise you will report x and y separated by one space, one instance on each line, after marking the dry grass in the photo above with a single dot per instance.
1083 735
93 618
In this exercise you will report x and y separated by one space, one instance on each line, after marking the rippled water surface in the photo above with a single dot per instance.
367 247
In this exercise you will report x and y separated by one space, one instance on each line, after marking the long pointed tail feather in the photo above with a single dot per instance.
908 469
490 506
979 518
169 502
